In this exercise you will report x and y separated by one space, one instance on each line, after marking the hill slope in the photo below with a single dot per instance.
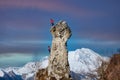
113 70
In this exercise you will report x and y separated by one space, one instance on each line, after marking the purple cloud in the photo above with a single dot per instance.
51 6
29 20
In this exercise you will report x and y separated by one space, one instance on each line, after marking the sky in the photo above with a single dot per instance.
25 27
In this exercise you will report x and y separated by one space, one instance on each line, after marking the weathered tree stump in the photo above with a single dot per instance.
58 66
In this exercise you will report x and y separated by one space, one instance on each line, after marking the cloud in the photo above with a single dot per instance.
23 46
51 6
99 36
24 42
95 42
45 5
14 59
25 23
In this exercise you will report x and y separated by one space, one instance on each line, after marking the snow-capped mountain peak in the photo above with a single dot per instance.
82 61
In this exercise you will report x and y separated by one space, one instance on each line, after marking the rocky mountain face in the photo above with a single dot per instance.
113 70
58 66
9 76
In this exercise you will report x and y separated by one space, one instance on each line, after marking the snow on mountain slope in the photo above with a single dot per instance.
28 70
9 76
1 73
82 61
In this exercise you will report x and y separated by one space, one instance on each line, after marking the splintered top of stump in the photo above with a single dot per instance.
61 30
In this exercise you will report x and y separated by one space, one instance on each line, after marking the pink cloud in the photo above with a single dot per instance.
50 5
40 4
96 35
22 25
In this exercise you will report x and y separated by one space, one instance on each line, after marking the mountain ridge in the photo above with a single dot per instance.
82 61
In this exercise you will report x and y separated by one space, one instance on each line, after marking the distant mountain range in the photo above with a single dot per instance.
83 65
